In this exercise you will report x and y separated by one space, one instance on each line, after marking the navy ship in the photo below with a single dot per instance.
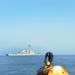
27 52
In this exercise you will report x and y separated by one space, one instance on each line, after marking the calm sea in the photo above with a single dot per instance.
29 65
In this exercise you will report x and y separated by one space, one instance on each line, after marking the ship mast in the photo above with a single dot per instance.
29 47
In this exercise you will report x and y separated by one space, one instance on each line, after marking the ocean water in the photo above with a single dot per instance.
28 65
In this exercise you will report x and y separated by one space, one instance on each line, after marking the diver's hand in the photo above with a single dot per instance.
51 62
44 61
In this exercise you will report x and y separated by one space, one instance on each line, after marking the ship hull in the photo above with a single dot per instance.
21 54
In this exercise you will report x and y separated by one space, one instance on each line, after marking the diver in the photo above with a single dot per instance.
49 57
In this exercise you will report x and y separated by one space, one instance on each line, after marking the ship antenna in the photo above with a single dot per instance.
29 47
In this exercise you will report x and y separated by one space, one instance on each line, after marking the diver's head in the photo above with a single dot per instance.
48 63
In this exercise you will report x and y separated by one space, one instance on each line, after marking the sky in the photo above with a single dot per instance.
47 25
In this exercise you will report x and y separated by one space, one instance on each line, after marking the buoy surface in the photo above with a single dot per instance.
58 70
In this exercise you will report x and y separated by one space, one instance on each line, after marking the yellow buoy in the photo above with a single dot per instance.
58 70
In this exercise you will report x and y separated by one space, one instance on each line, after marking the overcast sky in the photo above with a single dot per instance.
47 25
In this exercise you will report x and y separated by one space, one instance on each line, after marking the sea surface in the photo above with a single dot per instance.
28 65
